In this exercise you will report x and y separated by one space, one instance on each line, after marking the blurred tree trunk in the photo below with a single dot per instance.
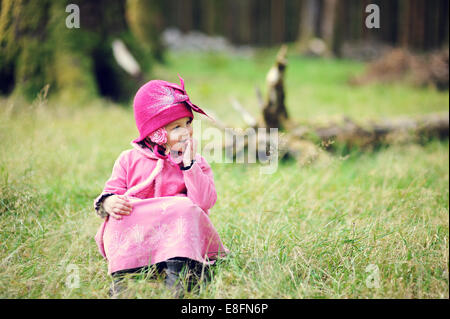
277 21
418 24
233 23
328 24
228 20
445 22
432 24
184 15
264 22
339 29
245 21
404 23
145 19
22 31
212 16
357 20
39 49
309 14
208 17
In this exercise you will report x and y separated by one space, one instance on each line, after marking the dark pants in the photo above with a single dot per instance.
159 269
173 268
192 265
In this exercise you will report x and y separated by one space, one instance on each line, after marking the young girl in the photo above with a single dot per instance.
157 200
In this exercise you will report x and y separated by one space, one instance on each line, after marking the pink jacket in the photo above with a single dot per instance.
136 170
170 216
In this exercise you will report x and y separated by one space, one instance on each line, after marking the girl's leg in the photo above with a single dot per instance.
173 270
159 267
119 285
180 269
123 272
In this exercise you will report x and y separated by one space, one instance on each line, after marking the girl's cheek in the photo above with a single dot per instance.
172 137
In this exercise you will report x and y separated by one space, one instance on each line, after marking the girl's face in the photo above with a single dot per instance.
178 132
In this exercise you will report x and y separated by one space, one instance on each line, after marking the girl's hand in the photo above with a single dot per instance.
190 151
117 205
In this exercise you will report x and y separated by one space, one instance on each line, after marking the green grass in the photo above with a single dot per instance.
303 232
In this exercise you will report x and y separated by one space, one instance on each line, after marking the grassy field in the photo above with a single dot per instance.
317 231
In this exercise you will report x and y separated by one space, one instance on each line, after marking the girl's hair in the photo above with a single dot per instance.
147 143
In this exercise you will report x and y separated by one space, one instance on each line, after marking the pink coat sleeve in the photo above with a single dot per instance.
117 183
199 181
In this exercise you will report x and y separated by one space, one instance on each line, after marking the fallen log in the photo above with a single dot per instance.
382 132
306 142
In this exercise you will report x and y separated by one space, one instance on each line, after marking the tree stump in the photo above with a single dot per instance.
274 109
